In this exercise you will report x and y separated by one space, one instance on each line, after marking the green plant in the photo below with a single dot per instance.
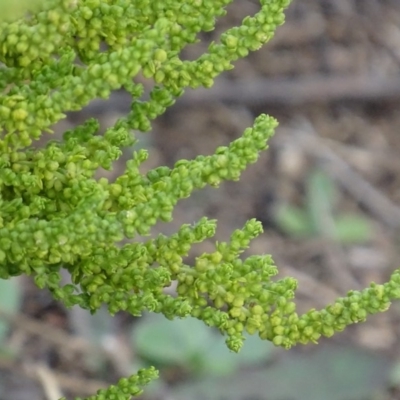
54 213
189 344
11 10
318 217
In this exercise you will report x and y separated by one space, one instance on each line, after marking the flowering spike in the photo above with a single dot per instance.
56 214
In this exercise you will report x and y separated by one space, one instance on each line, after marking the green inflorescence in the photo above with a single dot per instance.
55 214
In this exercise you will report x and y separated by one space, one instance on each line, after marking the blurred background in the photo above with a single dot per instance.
326 191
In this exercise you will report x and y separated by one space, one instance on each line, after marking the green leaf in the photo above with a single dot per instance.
191 344
171 342
321 189
351 228
255 351
328 373
11 10
294 221
220 361
321 198
394 375
10 301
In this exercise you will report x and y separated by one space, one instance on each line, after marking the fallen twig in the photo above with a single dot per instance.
354 183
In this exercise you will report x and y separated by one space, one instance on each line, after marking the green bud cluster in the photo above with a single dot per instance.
11 11
38 88
126 387
55 214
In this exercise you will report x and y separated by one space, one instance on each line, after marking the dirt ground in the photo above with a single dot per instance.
331 76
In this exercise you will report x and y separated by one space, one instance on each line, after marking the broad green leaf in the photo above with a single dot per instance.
351 228
220 361
171 342
321 197
191 344
294 221
327 373
394 375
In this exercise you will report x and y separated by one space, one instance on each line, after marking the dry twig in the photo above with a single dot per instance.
65 382
65 342
354 183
